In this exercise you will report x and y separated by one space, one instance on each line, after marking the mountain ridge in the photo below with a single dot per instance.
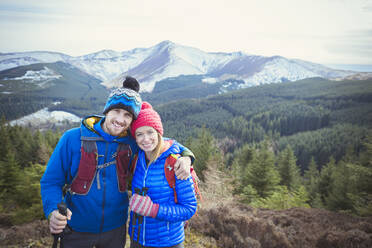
168 59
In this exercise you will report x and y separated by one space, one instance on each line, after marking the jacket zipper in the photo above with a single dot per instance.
144 218
104 189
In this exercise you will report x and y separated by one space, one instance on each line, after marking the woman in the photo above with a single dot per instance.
156 219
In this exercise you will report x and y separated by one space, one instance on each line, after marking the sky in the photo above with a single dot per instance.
320 31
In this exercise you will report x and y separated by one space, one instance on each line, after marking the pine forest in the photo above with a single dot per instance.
304 144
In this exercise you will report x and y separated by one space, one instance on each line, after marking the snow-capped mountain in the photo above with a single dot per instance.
10 60
168 59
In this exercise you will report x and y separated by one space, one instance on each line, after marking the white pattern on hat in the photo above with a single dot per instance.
129 92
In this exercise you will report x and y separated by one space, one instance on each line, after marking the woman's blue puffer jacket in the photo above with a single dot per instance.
167 229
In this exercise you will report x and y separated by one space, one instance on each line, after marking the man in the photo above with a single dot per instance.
93 161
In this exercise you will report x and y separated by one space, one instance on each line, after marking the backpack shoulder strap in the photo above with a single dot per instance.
133 165
169 172
171 177
83 180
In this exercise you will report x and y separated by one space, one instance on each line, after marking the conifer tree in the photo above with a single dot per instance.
242 158
4 138
288 170
203 148
22 142
261 173
311 182
37 142
244 155
10 174
282 198
362 199
366 155
20 183
340 188
326 179
28 195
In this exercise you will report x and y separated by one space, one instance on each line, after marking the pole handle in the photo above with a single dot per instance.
62 208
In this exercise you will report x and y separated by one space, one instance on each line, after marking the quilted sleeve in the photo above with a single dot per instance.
54 177
186 206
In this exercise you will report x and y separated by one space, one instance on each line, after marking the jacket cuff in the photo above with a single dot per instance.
50 215
154 210
188 153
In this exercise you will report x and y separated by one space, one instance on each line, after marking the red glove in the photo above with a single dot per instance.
143 205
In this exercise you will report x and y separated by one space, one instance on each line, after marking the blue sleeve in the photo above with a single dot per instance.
186 206
55 175
186 152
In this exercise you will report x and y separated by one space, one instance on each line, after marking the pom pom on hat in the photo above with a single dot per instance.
131 83
126 98
146 105
147 117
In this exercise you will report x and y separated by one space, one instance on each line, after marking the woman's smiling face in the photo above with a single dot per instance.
147 138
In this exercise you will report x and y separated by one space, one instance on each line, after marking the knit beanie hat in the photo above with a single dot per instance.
147 117
126 97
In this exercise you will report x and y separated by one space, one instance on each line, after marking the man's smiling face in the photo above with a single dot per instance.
117 121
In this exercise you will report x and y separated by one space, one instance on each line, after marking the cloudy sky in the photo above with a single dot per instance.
322 31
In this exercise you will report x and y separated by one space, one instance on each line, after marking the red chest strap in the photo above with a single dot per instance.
169 173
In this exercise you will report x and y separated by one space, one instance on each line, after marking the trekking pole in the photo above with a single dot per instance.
133 223
142 192
140 221
135 218
62 209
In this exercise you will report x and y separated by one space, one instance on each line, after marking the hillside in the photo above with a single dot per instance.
235 225
317 117
222 222
333 96
228 214
188 87
331 115
58 86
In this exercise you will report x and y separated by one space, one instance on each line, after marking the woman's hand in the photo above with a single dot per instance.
143 205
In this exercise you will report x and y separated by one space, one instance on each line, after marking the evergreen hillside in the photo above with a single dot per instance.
177 88
317 117
253 192
26 89
187 87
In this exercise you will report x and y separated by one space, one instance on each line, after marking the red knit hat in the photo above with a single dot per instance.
147 117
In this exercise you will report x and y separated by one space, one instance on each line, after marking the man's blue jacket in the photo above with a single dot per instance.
104 207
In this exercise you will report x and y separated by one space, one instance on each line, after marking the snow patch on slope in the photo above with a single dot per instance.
44 74
210 80
39 77
43 116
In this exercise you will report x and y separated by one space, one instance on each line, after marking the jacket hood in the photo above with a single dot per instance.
87 125
89 121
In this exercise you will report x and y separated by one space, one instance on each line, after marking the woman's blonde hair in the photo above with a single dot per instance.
158 149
